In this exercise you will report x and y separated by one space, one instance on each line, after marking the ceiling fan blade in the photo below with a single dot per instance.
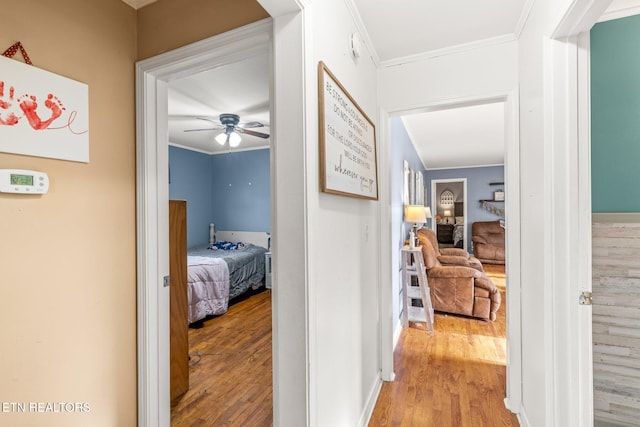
250 125
252 133
218 126
198 130
215 122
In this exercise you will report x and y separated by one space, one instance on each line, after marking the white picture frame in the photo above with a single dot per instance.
43 114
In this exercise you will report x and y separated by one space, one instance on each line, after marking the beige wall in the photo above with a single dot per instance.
67 258
168 24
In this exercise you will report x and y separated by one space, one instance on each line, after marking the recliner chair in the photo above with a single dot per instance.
459 289
488 241
449 256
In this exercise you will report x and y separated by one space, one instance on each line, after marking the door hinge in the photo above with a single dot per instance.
586 298
166 281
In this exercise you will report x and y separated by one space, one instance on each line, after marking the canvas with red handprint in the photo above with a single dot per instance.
42 114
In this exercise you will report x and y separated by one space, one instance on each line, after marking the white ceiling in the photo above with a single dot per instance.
395 31
239 88
403 29
459 138
408 30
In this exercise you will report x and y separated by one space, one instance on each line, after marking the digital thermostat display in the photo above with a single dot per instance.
18 179
23 181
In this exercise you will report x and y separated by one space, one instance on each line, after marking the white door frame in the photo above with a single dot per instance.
513 399
434 201
286 35
570 393
152 77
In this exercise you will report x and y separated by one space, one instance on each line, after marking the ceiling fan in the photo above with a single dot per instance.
232 127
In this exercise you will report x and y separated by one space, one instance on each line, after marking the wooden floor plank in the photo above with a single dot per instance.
454 377
230 374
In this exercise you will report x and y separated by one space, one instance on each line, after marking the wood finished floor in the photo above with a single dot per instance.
454 377
230 379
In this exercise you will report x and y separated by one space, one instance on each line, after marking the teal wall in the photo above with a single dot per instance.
615 115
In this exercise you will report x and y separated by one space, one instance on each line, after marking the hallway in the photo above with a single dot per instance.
454 377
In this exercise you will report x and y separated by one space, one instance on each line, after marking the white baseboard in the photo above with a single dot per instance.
371 402
396 333
620 9
375 391
522 418
510 406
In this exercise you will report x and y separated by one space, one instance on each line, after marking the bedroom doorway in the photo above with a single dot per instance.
153 78
449 210
225 187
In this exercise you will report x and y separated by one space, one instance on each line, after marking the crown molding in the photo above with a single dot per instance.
357 19
355 14
464 167
137 4
524 17
215 153
450 50
615 13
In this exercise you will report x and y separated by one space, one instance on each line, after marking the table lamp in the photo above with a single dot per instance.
447 215
427 212
417 215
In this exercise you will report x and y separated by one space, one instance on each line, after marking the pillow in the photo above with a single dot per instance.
459 220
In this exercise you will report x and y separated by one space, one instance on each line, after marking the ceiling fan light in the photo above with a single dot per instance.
234 139
221 138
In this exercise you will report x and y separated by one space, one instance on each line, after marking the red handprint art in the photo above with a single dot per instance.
10 114
29 105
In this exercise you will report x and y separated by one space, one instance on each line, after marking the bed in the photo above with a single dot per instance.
217 276
459 228
458 235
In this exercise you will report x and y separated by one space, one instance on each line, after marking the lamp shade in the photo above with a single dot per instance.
447 212
232 137
427 212
221 138
415 214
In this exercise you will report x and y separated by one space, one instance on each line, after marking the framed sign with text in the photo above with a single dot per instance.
348 164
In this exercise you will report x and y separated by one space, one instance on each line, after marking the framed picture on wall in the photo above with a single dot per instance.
419 197
348 164
406 199
412 187
49 116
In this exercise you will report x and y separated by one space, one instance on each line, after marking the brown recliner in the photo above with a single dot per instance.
448 256
459 289
488 241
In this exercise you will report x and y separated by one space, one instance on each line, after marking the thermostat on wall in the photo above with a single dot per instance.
23 181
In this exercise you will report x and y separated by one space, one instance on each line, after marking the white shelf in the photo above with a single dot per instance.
413 292
413 266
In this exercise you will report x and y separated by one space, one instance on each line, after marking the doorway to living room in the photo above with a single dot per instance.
508 172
